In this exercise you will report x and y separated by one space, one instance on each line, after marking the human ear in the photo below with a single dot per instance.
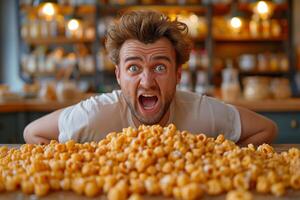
178 74
117 73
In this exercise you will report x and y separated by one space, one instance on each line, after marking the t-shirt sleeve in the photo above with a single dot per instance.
226 119
73 123
91 119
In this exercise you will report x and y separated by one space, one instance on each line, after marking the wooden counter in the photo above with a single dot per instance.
36 105
291 195
270 105
33 105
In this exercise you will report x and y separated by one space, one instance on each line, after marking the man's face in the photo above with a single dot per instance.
147 75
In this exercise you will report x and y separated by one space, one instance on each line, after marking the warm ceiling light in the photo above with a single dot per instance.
48 10
236 23
73 24
194 19
262 7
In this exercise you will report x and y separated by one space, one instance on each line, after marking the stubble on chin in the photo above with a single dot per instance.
151 120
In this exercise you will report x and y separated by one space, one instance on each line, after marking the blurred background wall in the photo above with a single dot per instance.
9 45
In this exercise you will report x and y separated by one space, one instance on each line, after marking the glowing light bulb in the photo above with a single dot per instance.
194 19
73 25
48 9
262 7
236 22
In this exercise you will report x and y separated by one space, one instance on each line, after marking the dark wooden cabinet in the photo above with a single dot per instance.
12 125
288 124
8 127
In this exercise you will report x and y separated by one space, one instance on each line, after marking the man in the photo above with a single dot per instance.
148 50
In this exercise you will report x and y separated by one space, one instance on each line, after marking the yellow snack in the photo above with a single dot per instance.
116 193
41 189
27 187
262 185
278 189
150 160
191 191
239 195
91 189
135 197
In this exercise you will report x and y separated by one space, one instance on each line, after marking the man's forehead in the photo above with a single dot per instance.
134 46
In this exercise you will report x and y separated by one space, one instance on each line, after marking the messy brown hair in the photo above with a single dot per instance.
147 26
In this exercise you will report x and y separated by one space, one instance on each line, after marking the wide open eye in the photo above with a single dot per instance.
160 68
133 68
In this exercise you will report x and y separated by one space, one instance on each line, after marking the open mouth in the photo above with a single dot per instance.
148 102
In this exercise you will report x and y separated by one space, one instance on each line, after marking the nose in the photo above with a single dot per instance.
147 80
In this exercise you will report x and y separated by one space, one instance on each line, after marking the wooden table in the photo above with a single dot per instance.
290 195
33 105
269 105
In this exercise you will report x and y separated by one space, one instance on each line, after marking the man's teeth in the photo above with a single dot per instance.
148 108
148 95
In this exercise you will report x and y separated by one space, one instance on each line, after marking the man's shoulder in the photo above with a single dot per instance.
187 96
195 98
107 98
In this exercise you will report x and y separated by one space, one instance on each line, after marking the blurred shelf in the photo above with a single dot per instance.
199 39
63 9
222 9
107 71
199 9
248 7
87 74
56 40
54 74
41 74
248 39
263 73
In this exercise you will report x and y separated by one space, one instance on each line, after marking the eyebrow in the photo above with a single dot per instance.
162 58
133 58
154 58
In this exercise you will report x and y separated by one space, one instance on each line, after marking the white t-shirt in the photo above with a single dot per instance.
94 118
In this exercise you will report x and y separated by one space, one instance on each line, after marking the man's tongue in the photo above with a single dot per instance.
148 102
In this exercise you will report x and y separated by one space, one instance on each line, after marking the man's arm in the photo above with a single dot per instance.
42 130
256 129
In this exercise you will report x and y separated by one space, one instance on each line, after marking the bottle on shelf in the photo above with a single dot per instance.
186 83
202 84
230 87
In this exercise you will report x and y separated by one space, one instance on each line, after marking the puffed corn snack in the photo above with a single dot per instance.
150 160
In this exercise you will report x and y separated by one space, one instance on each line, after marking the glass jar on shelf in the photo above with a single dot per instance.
254 27
44 29
25 29
276 29
256 88
230 87
274 62
262 62
89 32
34 28
280 88
266 28
283 62
52 28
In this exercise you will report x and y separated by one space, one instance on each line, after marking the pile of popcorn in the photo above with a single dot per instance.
150 160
